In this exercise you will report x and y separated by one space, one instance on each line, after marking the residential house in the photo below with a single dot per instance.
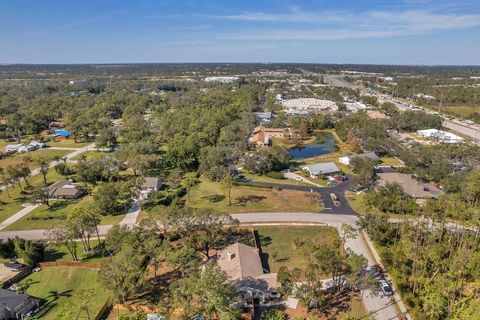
16 306
322 169
413 187
149 185
367 155
38 145
243 266
61 134
263 116
25 148
64 189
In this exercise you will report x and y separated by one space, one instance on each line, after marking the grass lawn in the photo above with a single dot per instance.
93 154
277 244
55 285
13 204
357 202
390 161
69 143
60 253
249 199
45 217
48 154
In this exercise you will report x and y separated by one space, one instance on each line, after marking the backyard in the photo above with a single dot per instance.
55 285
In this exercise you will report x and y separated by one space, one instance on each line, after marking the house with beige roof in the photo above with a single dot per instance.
243 266
64 189
420 191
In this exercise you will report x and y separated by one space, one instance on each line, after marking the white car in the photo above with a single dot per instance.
386 288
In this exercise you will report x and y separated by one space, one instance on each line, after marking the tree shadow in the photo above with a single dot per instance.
244 200
59 205
214 198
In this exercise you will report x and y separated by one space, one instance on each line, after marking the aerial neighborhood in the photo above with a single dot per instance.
219 191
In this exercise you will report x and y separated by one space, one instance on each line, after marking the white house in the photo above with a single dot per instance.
38 145
367 155
317 170
441 136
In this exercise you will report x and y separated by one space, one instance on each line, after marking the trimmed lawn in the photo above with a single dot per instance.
210 194
390 161
93 154
69 143
13 204
60 253
48 154
45 217
55 285
278 248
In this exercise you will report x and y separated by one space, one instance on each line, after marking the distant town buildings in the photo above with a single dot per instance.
221 79
309 105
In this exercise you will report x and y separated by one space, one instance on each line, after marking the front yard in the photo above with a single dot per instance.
48 154
55 285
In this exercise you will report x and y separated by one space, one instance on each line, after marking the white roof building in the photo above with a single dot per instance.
13 147
221 79
441 136
355 106
367 155
309 104
319 169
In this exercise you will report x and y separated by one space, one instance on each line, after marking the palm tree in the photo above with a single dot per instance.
43 167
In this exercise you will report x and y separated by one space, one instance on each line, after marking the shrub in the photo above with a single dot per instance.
275 175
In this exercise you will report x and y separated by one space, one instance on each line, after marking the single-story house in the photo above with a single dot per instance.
151 183
38 145
16 306
412 187
317 170
367 155
13 147
441 136
64 189
243 266
26 148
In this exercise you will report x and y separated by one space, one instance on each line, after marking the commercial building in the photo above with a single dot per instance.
221 79
440 136
310 105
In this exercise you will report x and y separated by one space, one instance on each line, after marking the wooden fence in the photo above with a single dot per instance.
79 264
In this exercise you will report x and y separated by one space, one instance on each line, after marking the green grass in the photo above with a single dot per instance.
45 217
93 154
272 180
390 161
357 202
277 244
13 204
67 144
55 285
48 154
249 199
61 254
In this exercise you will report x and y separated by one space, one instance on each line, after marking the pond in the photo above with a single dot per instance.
324 144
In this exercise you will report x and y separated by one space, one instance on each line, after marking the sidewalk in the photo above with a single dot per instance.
17 216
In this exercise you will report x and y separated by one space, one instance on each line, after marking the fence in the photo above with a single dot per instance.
79 264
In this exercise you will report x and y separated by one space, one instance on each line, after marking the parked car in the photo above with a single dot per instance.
386 288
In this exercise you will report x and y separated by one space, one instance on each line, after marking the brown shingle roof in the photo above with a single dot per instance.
411 186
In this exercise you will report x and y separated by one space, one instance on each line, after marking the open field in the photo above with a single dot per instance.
390 161
45 217
55 285
278 247
69 143
249 199
13 203
48 154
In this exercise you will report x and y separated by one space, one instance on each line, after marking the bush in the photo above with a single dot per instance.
275 175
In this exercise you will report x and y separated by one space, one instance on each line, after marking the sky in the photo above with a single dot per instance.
426 32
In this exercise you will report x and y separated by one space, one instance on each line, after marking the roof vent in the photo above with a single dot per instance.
230 255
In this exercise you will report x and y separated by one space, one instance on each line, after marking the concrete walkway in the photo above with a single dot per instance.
19 215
